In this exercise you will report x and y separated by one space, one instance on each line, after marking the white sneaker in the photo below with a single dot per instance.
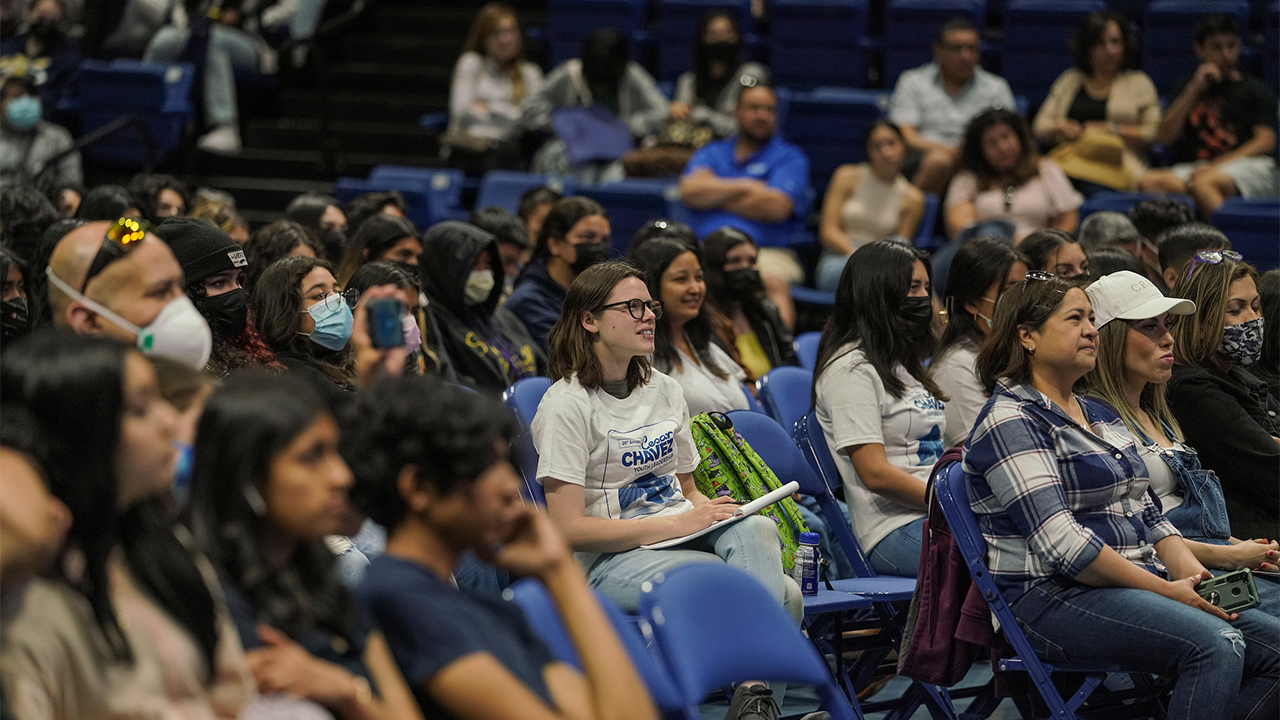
222 140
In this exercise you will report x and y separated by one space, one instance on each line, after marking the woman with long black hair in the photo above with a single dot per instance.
752 327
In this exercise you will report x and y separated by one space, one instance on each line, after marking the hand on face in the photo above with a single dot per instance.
534 546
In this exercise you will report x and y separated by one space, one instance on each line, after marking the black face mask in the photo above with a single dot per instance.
227 313
14 320
588 254
46 32
723 52
744 284
918 313
334 241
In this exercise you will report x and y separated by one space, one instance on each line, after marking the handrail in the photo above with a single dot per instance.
111 128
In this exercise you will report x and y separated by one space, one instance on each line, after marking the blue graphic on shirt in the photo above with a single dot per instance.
646 496
930 448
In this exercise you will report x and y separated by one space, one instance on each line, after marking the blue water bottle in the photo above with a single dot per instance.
805 569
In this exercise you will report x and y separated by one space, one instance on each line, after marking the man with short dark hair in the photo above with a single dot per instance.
1183 243
1222 125
934 102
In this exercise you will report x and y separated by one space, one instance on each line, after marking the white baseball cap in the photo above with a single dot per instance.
1129 296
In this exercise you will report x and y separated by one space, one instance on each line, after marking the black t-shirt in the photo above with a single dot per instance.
1087 109
429 625
1224 117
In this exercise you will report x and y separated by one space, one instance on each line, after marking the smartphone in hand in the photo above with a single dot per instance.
386 328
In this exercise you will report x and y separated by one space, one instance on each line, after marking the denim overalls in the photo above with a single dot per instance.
1202 515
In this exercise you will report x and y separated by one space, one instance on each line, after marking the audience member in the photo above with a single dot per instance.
63 194
488 344
223 215
513 242
186 389
381 237
120 280
1107 227
129 621
1221 124
33 522
280 239
574 236
421 333
662 229
268 486
934 103
1103 113
367 205
32 148
1057 252
1074 542
603 76
1112 259
108 202
15 316
752 331
984 270
682 335
533 207
753 181
1268 366
1154 216
879 407
159 196
25 215
1225 412
322 215
1003 176
443 485
707 95
43 42
867 202
38 304
1181 244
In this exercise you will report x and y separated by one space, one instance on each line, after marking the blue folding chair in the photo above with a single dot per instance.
1251 225
1037 42
784 393
503 188
758 641
806 347
522 400
533 599
752 403
817 42
951 488
632 203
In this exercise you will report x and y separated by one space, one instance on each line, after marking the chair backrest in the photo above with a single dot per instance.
1037 41
503 188
417 203
442 187
752 403
829 124
813 445
784 393
522 400
776 448
1251 225
760 641
817 42
632 203
806 347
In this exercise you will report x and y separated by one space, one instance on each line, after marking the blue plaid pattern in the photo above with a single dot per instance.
1049 494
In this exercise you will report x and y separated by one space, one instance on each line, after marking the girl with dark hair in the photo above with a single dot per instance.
1074 542
708 94
322 215
280 239
421 333
1225 411
1057 252
15 315
1003 177
751 328
983 270
867 202
268 486
132 621
381 237
573 237
159 196
616 457
877 403
108 202
682 338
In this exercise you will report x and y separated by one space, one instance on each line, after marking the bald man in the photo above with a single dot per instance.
137 298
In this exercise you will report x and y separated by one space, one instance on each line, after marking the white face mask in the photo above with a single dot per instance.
179 332
479 285
984 317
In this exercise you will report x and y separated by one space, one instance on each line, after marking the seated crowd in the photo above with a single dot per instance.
267 472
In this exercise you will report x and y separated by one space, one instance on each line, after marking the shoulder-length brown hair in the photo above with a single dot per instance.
972 157
1027 305
486 21
276 308
1196 337
571 346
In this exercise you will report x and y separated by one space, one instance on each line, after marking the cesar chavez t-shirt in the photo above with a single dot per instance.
624 453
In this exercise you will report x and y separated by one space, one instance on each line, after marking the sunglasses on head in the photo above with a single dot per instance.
120 239
1213 257
1036 275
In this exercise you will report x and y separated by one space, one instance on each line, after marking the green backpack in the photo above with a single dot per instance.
728 466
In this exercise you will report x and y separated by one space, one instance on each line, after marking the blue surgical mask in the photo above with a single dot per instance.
23 112
333 324
182 472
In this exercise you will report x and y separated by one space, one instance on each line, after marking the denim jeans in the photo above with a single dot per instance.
899 552
1220 670
751 545
229 50
830 266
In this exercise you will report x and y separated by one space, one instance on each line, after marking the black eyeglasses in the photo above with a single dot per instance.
636 307
120 239
1213 257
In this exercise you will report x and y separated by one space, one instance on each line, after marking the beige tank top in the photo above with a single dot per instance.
873 211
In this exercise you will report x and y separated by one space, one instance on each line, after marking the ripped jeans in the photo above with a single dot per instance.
1220 670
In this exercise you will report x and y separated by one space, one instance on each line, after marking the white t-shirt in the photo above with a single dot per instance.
855 409
1163 482
624 453
956 373
703 391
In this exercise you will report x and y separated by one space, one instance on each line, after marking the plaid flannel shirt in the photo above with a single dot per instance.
1049 494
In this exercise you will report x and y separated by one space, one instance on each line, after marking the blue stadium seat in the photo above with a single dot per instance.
678 20
158 93
1168 33
830 124
806 347
784 393
1252 226
417 208
568 21
522 399
503 188
632 203
443 189
1037 42
816 42
1271 44
910 26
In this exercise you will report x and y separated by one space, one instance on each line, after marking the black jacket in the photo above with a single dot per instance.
488 345
1230 419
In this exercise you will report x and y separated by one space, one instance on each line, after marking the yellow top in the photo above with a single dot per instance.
753 356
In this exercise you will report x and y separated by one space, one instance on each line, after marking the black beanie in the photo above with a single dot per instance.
201 248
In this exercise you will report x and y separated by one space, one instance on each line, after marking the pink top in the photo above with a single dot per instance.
1043 197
